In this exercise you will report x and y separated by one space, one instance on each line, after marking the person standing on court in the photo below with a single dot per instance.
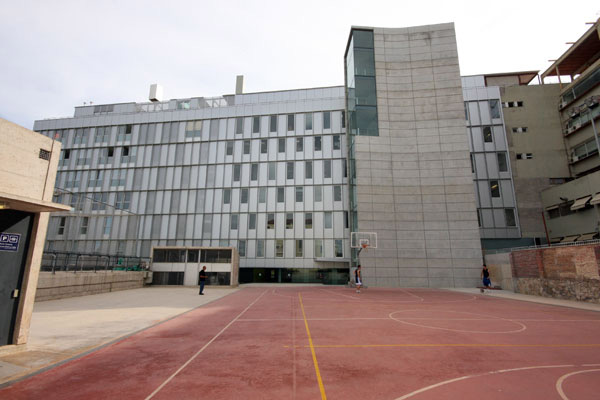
357 279
202 279
485 275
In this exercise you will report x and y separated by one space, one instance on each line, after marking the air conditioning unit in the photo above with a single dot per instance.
562 105
575 158
592 101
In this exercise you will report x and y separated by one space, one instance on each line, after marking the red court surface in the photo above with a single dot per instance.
329 342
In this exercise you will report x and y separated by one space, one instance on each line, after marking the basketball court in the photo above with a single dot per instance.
330 342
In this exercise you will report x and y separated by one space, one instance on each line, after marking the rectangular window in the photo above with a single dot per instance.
298 247
337 193
260 248
290 170
520 129
308 221
308 170
502 165
289 221
246 147
343 119
264 146
328 220
495 108
254 172
123 200
318 141
318 193
84 226
262 195
327 120
107 225
524 156
226 196
345 167
299 194
300 144
346 220
318 247
327 168
290 122
245 196
487 134
339 248
239 125
252 221
237 169
281 145
270 221
509 216
336 142
255 124
192 129
273 123
61 225
229 148
308 121
234 222
495 188
279 248
242 248
272 169
280 194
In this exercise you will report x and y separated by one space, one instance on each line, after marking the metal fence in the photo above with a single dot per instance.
53 261
543 246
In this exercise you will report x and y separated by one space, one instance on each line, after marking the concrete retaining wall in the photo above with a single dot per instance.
68 284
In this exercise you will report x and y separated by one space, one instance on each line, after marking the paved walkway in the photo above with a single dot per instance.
63 329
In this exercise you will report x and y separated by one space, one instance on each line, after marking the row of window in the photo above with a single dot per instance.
509 217
500 157
192 255
584 150
476 111
193 126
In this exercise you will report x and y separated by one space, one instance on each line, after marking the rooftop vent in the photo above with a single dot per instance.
239 84
156 92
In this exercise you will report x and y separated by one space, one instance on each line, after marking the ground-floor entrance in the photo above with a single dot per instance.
327 276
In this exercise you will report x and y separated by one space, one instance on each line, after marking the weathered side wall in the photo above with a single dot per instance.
500 270
68 284
570 272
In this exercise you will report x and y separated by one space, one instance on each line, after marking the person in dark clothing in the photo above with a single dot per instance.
485 275
357 279
202 279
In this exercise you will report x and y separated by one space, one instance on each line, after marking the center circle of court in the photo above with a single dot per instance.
457 321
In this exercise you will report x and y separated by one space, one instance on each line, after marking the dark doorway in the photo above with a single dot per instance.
15 230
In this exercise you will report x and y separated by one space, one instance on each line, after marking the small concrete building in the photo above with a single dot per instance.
28 164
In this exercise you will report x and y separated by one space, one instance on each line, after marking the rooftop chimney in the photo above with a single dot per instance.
156 92
239 84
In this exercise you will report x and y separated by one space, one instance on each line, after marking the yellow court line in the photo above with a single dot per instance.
451 345
312 350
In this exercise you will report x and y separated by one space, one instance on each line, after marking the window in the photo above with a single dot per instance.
502 166
254 172
270 221
524 156
124 133
487 134
260 248
233 223
102 134
226 196
119 176
495 188
255 124
520 129
318 143
290 170
345 167
128 154
252 221
289 221
290 122
308 170
96 177
336 142
328 218
308 121
237 169
327 120
346 220
281 145
80 136
318 247
215 256
318 193
245 196
262 195
242 248
192 256
339 248
229 148
299 194
263 146
246 147
279 248
193 129
472 163
343 119
298 247
307 220
509 216
239 125
107 225
99 201
327 168
300 144
84 225
280 194
61 225
494 109
337 193
273 123
272 169
123 200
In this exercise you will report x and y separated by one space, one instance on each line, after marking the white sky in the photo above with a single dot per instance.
57 54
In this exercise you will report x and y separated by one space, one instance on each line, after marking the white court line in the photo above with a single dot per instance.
492 318
309 319
560 381
203 347
406 396
358 298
